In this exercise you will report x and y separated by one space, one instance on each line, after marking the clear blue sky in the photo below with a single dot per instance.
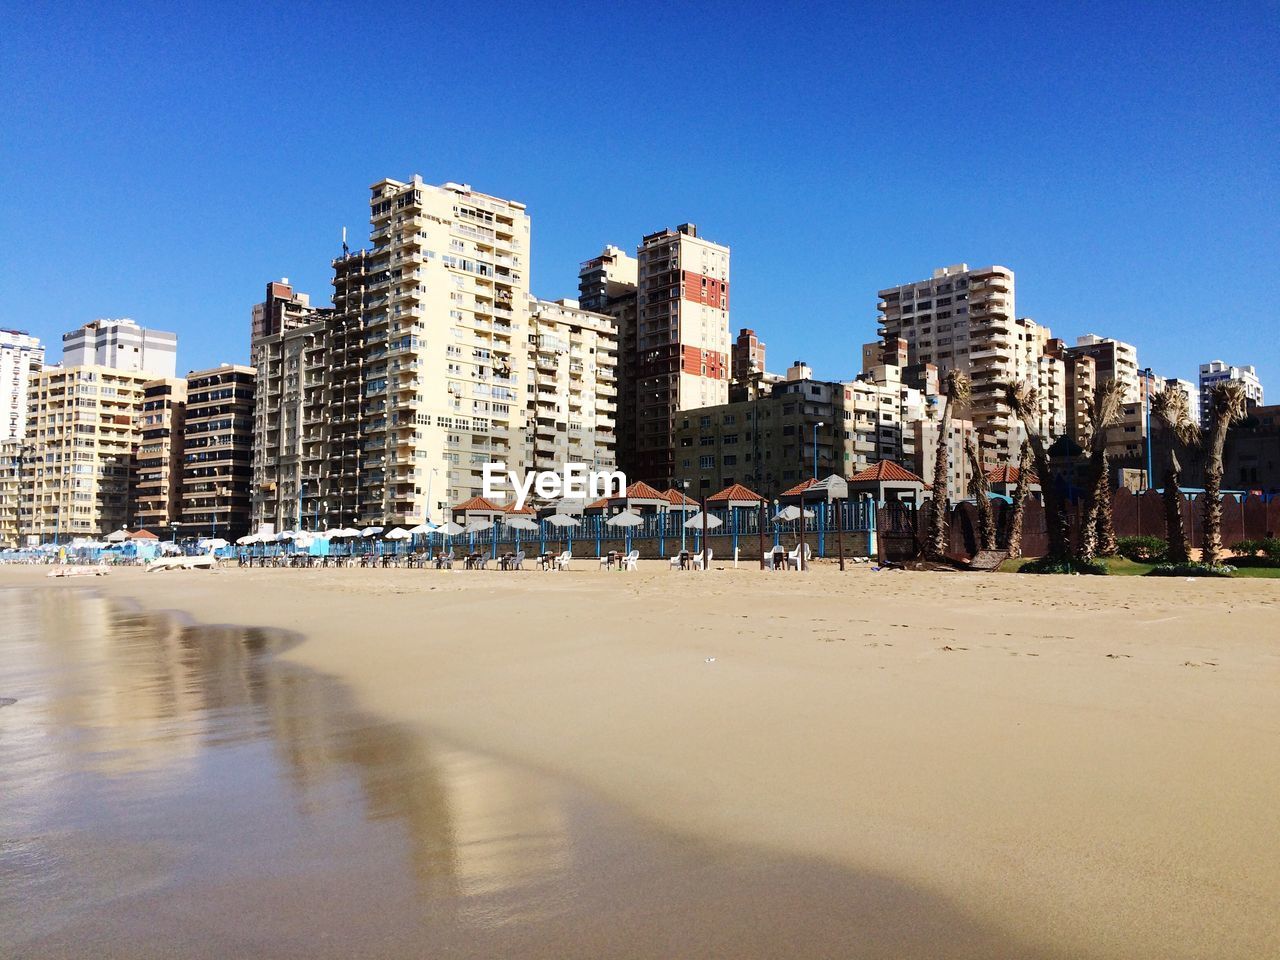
164 162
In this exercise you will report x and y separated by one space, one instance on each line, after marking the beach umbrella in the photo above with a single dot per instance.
398 533
522 523
477 526
248 539
695 522
423 528
568 523
628 520
788 514
369 532
452 529
216 543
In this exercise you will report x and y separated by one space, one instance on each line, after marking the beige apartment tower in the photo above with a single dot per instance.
573 390
84 431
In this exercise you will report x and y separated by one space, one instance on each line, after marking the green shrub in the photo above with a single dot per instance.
1142 549
1048 565
1190 570
1252 561
1268 547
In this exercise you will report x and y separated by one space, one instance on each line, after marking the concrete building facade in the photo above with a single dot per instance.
682 344
21 357
156 498
572 372
84 433
217 458
1215 372
122 345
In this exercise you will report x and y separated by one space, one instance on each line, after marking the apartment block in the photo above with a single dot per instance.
770 442
446 324
332 435
121 345
157 485
607 284
1113 360
572 372
1215 372
925 456
748 356
21 356
682 344
966 319
84 430
13 454
289 352
217 460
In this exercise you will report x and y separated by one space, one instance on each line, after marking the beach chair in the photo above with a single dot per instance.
517 562
630 560
481 561
774 558
793 558
562 561
702 560
675 562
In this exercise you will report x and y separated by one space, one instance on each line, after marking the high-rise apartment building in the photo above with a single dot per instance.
121 345
84 431
446 294
13 456
748 356
682 344
217 466
573 387
332 447
607 284
157 485
1113 360
289 352
1215 372
21 356
966 320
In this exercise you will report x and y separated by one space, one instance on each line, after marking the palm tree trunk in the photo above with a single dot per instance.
1174 529
939 532
1057 523
1104 528
978 487
1019 502
1213 511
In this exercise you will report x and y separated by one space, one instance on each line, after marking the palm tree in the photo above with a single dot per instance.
956 388
979 487
1019 500
1098 534
1171 406
1024 402
1227 407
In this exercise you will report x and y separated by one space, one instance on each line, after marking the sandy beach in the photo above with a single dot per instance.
1090 766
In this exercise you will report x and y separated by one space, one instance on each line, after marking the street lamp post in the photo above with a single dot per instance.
815 447
819 514
1149 375
684 485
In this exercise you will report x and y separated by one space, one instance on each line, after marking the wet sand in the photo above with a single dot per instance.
861 765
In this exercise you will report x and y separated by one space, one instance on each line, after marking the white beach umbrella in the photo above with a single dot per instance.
370 532
166 547
522 523
452 529
695 522
562 520
425 527
399 533
625 519
475 526
343 532
247 539
787 514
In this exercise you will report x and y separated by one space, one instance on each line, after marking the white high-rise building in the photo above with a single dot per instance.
122 345
21 355
1215 372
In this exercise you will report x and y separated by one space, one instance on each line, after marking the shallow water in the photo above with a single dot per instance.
180 792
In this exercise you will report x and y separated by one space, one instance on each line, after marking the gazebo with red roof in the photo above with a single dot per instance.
888 481
143 535
1004 480
477 508
735 496
677 500
639 497
794 495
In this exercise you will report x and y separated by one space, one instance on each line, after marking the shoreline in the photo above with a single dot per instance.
853 721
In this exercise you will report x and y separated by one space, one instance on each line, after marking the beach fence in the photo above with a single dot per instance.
1244 517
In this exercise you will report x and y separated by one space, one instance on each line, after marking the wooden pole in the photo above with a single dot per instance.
704 535
839 534
760 524
803 565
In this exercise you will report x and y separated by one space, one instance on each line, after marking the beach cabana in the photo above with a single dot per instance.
735 499
887 482
1004 480
477 508
639 498
793 496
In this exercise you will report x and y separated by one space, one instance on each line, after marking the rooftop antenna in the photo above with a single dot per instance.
345 249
